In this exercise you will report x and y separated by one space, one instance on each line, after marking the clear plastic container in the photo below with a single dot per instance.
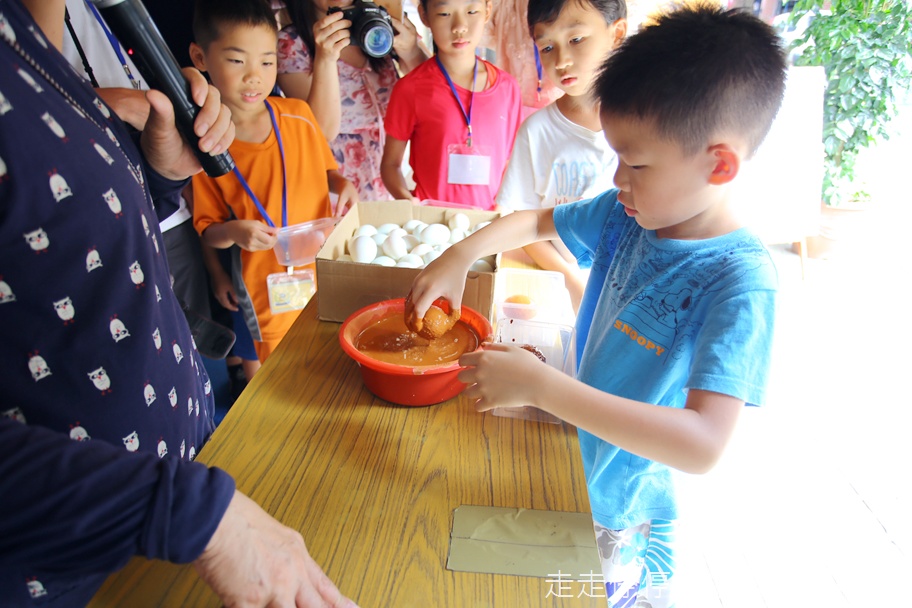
532 295
555 341
298 244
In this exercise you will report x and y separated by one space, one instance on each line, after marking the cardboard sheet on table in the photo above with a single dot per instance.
523 542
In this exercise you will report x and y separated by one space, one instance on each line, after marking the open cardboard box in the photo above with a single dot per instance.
345 287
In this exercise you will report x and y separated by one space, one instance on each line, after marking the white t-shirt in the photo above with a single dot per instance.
555 161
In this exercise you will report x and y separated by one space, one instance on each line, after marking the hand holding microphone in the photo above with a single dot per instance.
134 28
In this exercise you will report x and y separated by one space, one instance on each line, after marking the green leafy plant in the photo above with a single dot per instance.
864 47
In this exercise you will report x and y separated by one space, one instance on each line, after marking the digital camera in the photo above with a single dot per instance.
371 30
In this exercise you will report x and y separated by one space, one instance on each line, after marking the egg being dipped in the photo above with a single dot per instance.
389 340
409 383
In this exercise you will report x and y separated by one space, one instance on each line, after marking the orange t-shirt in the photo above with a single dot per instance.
307 159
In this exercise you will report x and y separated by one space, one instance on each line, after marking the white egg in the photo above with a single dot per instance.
387 228
412 224
394 246
366 229
435 234
345 258
420 249
479 226
379 238
410 261
382 260
363 249
418 228
461 221
399 231
411 241
481 265
457 234
430 256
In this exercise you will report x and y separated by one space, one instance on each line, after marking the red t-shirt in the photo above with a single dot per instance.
423 110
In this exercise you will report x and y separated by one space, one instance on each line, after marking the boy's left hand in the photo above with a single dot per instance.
348 197
165 150
499 375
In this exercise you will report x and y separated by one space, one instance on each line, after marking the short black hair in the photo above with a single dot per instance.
697 71
210 15
547 11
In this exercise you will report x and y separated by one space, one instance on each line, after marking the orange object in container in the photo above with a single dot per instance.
403 384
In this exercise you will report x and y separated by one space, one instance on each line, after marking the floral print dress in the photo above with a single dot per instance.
365 94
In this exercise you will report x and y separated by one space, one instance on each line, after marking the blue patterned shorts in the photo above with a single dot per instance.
638 564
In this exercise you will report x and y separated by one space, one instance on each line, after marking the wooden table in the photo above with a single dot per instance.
372 486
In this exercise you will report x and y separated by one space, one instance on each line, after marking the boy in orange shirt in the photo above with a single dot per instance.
285 169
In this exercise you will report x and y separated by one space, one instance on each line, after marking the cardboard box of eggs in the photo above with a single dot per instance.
378 249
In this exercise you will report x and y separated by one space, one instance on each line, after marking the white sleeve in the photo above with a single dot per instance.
517 190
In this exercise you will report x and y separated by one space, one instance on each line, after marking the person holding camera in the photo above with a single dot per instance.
338 55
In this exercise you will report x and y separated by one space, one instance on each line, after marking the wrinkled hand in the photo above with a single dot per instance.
165 150
252 235
252 561
331 35
499 375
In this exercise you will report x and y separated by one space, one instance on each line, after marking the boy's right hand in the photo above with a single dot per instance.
443 278
251 235
331 35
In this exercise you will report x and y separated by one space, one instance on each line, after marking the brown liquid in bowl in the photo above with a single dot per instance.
390 341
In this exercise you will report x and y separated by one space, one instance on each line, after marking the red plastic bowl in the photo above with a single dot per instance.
403 384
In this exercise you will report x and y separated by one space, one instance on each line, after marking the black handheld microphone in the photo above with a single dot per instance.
134 28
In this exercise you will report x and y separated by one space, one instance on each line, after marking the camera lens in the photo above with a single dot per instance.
378 40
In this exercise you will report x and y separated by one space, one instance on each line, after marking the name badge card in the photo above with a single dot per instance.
290 291
468 165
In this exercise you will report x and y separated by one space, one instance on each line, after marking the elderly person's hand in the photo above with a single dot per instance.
164 148
252 560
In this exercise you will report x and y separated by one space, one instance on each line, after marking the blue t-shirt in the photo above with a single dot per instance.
659 317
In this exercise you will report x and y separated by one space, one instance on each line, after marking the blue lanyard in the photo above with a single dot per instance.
256 201
114 45
538 70
466 116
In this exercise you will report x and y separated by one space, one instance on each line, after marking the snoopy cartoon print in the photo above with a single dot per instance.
65 310
157 339
6 292
162 448
35 588
131 442
113 201
38 367
60 189
38 240
118 329
178 353
101 107
172 397
93 260
136 274
101 380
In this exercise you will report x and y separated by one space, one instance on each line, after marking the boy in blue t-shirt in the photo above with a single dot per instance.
676 323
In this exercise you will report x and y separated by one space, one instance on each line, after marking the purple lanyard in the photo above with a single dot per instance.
466 116
256 201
